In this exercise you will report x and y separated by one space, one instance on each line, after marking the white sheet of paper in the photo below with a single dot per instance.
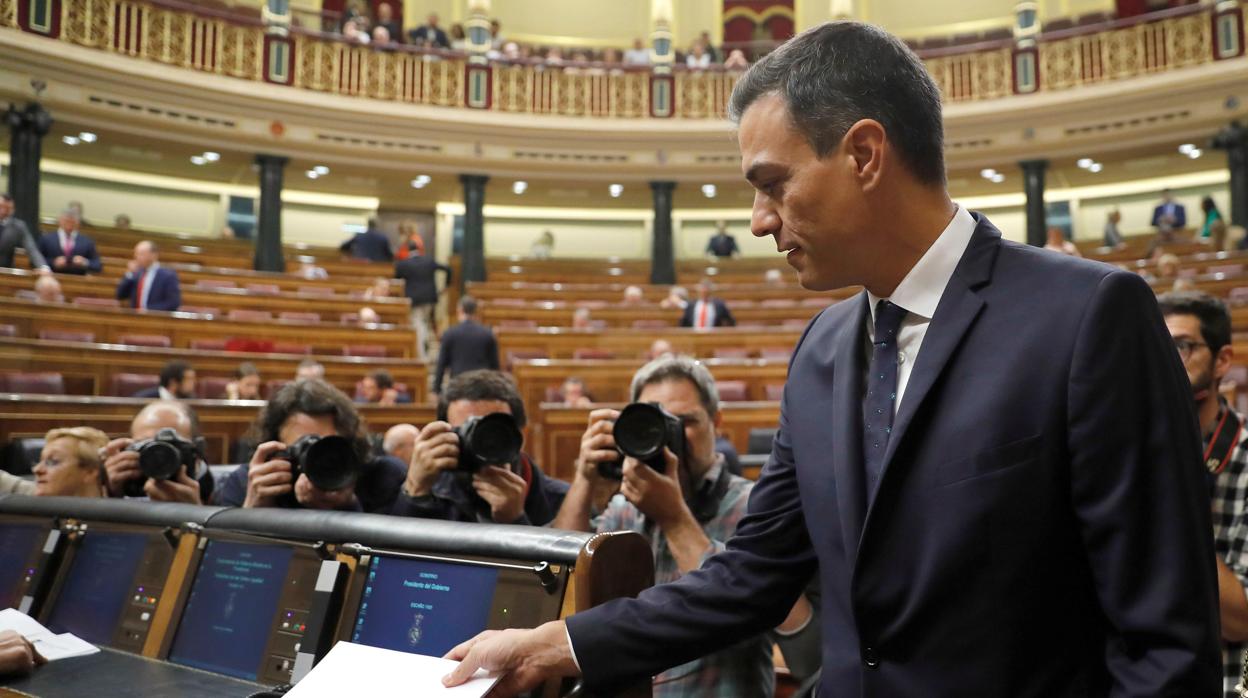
359 670
49 644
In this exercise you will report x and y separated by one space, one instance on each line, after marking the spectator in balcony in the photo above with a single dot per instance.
722 245
543 246
511 51
639 54
147 285
698 58
429 34
736 60
357 10
459 38
707 312
677 297
70 251
227 233
496 34
554 56
371 245
122 221
1112 237
177 382
1213 230
612 58
15 234
310 369
381 38
385 18
70 464
467 346
633 296
48 290
246 383
1057 242
575 394
355 33
711 50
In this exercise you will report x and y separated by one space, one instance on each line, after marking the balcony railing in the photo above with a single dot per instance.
184 35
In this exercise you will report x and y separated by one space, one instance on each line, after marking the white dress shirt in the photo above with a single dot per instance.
920 291
67 240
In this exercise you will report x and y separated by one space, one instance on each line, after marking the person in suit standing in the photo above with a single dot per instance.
421 288
467 346
15 234
71 252
722 245
147 285
372 244
990 454
706 312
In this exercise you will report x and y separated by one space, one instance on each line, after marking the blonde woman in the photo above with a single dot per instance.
70 465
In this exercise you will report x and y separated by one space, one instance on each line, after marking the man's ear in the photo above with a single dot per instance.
1222 362
865 143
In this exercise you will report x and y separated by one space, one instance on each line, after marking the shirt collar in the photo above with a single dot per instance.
165 394
920 291
712 474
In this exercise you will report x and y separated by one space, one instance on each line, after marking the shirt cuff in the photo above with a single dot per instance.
572 649
805 624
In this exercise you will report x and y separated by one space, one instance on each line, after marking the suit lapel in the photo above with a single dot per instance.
847 374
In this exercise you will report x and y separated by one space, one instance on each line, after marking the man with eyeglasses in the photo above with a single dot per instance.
1201 327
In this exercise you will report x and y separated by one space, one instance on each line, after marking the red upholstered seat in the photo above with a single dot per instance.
127 384
264 289
778 303
517 324
211 387
299 316
349 318
775 353
651 324
67 335
215 283
33 383
291 348
89 302
1238 295
198 309
593 353
732 391
8 330
1228 269
553 394
145 340
731 353
509 302
774 391
208 344
316 290
371 350
250 315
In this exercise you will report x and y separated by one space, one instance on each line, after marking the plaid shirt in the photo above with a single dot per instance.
741 671
1230 530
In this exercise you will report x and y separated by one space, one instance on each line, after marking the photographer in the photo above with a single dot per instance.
687 507
309 433
124 477
440 486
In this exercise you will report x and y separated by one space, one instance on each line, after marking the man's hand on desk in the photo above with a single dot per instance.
527 657
17 655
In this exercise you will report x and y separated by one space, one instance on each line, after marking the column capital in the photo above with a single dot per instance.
32 117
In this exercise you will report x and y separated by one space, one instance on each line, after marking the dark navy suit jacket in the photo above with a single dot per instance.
166 293
1042 527
50 246
1180 215
372 245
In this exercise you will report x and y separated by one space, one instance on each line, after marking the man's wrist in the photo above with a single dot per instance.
416 489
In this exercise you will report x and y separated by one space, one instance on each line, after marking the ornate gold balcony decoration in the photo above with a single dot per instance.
179 33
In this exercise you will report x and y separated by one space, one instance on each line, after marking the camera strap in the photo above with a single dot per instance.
705 504
1222 443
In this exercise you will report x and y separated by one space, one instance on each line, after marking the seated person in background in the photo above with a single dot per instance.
310 368
147 285
687 513
368 316
70 464
1213 230
69 251
15 234
706 312
1167 268
400 441
467 346
1112 236
543 246
121 221
773 277
48 289
435 488
677 297
372 244
633 296
246 383
660 347
378 388
722 245
299 409
574 393
1183 284
123 476
177 382
582 320
311 272
227 233
18 656
429 34
1057 242
379 289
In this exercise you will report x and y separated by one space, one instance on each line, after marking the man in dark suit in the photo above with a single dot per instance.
721 244
1169 216
467 346
147 285
429 34
15 234
990 455
706 312
177 382
372 244
421 288
70 251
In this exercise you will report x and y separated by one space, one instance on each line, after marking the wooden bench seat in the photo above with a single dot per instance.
562 342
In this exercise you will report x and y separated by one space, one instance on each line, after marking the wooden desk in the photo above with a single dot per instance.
561 342
619 316
223 422
110 323
613 293
88 368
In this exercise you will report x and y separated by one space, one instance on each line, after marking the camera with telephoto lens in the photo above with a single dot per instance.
642 431
494 439
160 458
330 462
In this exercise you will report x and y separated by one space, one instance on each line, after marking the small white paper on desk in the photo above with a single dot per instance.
48 644
351 669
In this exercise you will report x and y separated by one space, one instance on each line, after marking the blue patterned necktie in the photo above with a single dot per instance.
877 408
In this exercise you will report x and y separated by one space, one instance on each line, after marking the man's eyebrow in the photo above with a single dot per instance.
751 175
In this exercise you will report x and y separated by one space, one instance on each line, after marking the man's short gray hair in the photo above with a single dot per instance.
71 213
669 367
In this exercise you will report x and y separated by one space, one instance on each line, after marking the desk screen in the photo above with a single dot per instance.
423 607
18 543
231 608
97 586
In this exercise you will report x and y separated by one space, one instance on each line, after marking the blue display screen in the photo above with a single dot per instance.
423 607
232 607
99 580
17 542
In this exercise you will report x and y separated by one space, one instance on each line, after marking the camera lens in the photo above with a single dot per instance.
494 439
329 462
159 460
641 431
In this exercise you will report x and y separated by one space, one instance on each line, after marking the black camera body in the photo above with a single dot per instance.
330 462
642 431
494 439
161 458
